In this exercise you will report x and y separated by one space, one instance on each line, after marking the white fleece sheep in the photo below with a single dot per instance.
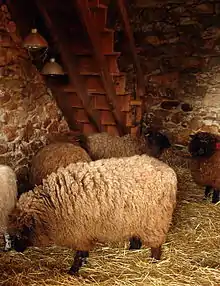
8 197
108 200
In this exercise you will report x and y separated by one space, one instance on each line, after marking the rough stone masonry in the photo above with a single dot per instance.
179 49
29 115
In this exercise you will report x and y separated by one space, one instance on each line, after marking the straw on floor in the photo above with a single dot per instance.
191 255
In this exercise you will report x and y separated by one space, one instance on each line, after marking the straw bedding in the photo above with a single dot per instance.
191 255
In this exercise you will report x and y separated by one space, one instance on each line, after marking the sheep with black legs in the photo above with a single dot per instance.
204 148
8 198
108 200
104 145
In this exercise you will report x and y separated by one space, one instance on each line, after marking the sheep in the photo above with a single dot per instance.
8 198
204 148
103 145
44 163
51 157
105 201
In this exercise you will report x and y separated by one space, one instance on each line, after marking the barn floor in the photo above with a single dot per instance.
191 255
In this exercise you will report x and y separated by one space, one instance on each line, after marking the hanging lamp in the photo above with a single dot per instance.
34 41
52 68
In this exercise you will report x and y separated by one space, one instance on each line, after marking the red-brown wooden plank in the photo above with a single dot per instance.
86 17
70 62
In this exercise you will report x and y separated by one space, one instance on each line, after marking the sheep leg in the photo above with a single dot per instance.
215 196
208 190
156 252
79 261
135 243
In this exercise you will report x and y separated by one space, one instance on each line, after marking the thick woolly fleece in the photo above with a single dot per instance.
205 161
108 200
8 195
103 146
53 156
205 172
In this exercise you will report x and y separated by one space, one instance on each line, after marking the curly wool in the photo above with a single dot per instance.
103 146
8 195
205 161
108 200
53 156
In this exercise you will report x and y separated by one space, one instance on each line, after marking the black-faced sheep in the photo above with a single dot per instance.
108 200
204 148
103 145
8 198
51 157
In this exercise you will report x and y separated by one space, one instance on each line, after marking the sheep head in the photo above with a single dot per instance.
21 229
203 144
157 142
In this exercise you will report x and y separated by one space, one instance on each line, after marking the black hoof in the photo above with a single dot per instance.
215 196
73 272
80 259
135 243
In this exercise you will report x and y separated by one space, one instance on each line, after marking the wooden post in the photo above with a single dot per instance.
125 21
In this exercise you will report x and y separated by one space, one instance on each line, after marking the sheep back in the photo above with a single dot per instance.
205 159
53 156
8 194
205 172
108 200
103 145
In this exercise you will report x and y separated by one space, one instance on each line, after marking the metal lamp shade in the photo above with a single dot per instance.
34 41
52 68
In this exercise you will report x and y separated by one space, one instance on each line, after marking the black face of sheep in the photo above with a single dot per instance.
21 234
22 239
202 144
158 142
19 244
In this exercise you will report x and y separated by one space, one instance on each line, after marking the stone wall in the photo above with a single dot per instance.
179 47
29 117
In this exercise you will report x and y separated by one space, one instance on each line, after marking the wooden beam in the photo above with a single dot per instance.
86 17
70 62
125 21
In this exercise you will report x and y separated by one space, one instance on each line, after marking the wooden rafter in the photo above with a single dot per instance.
70 62
128 31
85 15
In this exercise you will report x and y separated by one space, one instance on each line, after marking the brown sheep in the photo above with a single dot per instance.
103 145
204 148
51 157
108 200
